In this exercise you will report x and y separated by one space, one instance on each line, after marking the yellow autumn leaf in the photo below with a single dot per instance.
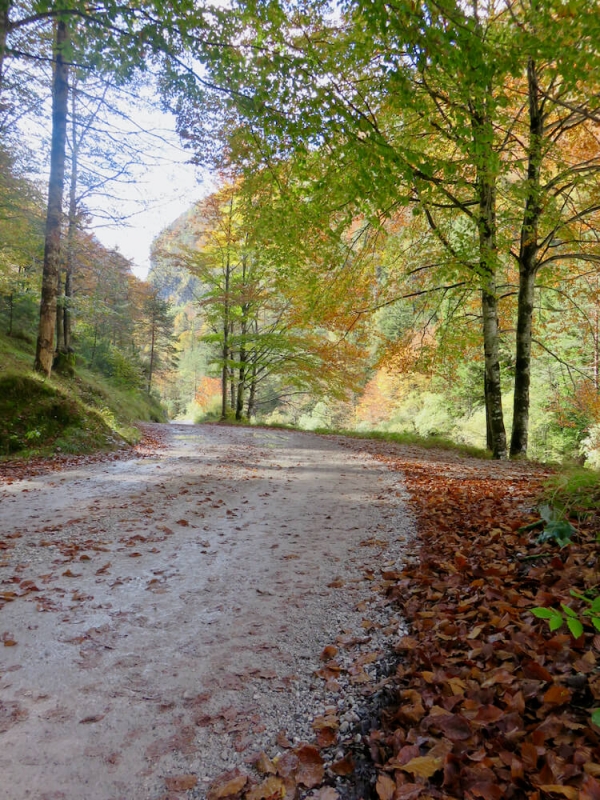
567 791
385 787
423 766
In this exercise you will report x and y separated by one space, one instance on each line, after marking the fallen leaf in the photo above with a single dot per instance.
272 788
344 766
181 783
423 766
557 695
263 764
310 766
385 786
566 791
329 652
228 784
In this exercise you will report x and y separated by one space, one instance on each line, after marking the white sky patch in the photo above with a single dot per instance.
130 211
163 190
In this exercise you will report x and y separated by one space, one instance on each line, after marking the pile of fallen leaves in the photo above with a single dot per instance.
488 703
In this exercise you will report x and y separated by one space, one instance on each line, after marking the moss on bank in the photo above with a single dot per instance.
75 411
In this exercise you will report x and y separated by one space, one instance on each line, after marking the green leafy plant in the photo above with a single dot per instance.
557 528
575 620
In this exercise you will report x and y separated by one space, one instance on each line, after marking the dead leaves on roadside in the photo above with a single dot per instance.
297 769
489 703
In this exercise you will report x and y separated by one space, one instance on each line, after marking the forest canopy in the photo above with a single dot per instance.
406 230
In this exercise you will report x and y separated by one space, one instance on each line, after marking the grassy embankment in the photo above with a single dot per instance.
73 413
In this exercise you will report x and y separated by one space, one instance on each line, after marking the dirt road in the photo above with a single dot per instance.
165 616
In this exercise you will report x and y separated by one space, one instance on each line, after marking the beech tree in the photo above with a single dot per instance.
44 356
560 180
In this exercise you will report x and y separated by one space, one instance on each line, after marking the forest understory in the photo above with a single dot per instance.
450 689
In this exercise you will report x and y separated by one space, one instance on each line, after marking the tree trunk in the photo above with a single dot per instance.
483 136
489 439
4 28
93 356
60 93
225 350
239 408
527 269
225 370
252 392
232 388
520 428
489 308
60 304
72 229
152 346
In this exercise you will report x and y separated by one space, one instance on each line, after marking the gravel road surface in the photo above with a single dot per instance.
165 616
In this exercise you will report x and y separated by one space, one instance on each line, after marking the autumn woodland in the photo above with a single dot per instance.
402 243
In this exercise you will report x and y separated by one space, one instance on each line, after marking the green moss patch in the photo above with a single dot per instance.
37 417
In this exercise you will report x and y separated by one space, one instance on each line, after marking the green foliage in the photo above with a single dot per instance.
428 442
575 491
556 529
574 620
68 414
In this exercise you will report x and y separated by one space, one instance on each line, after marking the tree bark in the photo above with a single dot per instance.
239 408
486 190
4 28
489 439
252 392
152 347
72 228
60 93
528 266
60 304
225 349
489 306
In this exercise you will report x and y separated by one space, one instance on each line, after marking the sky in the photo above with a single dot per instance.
161 183
165 187
165 192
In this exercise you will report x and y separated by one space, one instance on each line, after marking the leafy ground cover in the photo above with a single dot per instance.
488 702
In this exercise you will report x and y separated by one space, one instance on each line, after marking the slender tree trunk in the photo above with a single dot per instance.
72 229
225 350
520 428
60 93
60 304
489 439
527 269
489 308
4 28
252 392
93 356
232 388
152 345
483 137
596 348
239 408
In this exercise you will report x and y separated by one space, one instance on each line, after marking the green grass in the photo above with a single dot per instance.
575 491
428 442
79 414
